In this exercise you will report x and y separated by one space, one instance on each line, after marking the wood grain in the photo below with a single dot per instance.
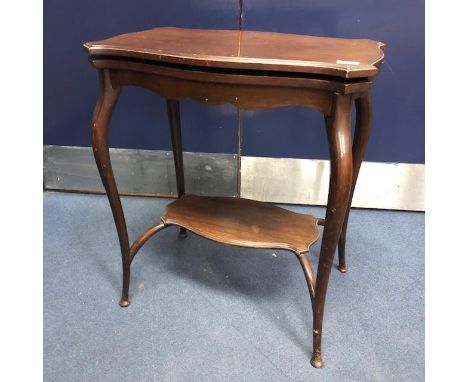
346 58
243 222
250 70
248 96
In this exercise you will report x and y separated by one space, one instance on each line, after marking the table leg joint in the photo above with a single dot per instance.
143 238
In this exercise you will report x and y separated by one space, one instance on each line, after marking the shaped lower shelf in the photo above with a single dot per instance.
243 222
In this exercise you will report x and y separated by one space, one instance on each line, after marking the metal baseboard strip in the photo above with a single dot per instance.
140 172
394 186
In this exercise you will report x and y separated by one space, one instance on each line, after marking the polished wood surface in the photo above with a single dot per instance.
241 90
341 173
248 50
361 138
267 70
243 222
108 96
173 115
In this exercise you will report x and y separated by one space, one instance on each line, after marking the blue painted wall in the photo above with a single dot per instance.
70 83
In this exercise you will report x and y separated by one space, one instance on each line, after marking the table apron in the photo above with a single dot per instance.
241 90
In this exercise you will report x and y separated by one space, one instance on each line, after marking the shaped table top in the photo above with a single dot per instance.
247 50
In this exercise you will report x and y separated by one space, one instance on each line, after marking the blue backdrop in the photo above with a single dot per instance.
139 121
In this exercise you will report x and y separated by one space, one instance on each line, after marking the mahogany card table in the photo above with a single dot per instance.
251 70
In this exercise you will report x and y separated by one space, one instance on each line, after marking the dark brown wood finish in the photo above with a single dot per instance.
243 222
341 171
251 70
347 58
362 131
143 238
173 113
108 96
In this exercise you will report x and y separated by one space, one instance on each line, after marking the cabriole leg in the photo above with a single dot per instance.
361 138
341 172
173 114
108 96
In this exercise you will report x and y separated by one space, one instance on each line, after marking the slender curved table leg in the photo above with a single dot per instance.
173 114
108 97
309 275
341 166
143 238
360 140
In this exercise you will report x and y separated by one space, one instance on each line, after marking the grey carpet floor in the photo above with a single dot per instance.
202 311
